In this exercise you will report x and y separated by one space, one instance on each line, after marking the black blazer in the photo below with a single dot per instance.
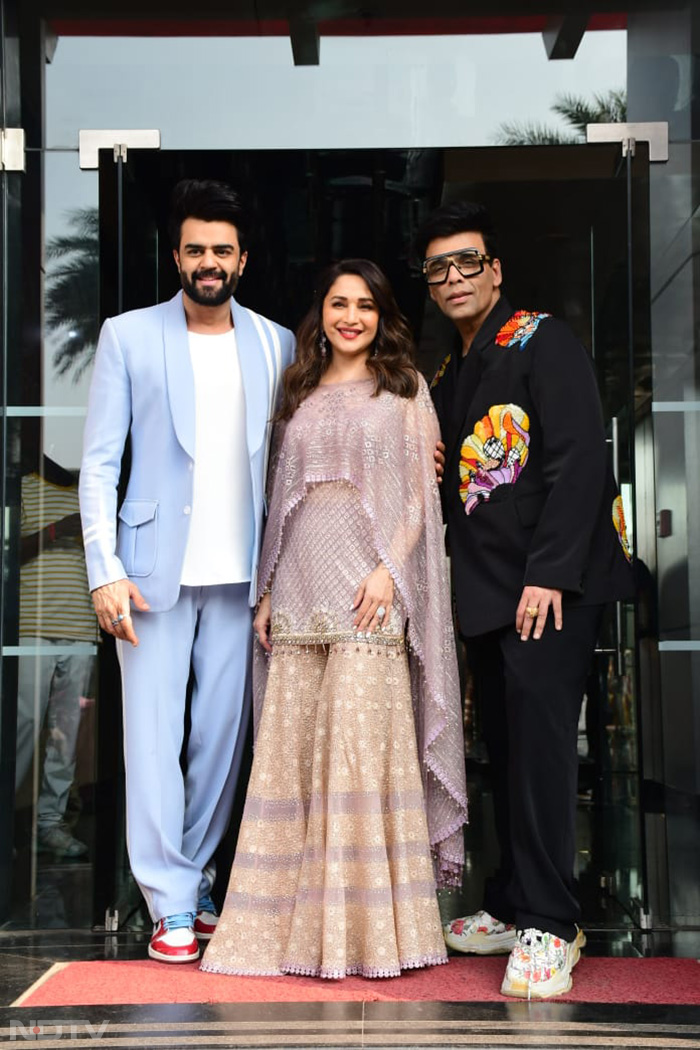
528 491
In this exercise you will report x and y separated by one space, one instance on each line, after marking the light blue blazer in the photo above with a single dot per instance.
143 385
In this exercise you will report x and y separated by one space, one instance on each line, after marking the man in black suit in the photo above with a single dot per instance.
538 546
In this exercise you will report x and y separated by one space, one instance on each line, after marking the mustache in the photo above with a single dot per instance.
204 274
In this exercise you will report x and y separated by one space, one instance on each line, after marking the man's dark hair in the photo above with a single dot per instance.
457 217
210 201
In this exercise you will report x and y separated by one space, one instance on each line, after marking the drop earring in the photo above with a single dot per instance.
323 345
375 345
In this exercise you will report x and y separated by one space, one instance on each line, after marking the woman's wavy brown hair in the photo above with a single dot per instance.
391 361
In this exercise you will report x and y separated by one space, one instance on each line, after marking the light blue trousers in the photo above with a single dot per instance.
175 823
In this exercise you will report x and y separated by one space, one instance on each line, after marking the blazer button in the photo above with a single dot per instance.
187 509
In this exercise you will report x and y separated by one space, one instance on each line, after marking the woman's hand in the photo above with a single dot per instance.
375 592
261 623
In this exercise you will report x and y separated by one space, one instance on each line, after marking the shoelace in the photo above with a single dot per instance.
206 904
177 922
531 939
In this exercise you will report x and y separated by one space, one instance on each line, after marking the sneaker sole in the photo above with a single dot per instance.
532 993
498 949
494 945
162 957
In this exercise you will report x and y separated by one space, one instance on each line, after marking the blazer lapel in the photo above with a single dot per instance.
252 343
471 369
467 382
253 351
179 375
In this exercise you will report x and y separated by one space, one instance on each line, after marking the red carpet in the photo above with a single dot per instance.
462 980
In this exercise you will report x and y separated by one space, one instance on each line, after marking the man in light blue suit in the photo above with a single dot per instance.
194 383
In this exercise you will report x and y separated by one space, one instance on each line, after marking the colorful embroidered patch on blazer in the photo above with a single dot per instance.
440 372
519 329
495 454
618 517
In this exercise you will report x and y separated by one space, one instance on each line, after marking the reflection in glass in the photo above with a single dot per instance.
72 291
55 765
57 619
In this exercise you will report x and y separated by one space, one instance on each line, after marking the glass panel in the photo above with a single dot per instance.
10 326
71 294
368 91
54 648
561 214
662 85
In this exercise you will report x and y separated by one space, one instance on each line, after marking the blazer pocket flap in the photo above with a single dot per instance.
529 508
138 511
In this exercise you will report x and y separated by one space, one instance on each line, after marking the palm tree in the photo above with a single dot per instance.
607 108
72 290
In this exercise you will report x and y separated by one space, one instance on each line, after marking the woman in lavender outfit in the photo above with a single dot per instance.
357 794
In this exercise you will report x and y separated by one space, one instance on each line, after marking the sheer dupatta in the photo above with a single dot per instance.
384 447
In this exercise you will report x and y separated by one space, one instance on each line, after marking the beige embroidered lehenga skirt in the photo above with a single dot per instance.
333 873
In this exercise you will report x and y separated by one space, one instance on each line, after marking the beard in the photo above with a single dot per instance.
209 296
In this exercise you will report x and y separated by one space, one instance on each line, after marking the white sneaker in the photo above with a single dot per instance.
540 965
480 934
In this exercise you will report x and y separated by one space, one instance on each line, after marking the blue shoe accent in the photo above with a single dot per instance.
177 922
206 904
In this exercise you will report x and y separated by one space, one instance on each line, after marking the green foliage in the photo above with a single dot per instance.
72 292
607 108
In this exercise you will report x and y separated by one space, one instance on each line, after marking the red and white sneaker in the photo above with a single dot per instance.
206 918
173 939
205 925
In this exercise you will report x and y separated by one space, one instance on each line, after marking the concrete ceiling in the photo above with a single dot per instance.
320 11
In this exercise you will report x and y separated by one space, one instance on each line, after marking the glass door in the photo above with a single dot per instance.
571 219
309 207
573 223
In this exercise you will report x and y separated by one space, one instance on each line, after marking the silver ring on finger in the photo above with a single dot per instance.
120 617
381 612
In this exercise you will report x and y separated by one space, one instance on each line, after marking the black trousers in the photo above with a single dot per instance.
530 695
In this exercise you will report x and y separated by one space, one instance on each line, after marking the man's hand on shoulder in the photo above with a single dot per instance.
113 608
533 609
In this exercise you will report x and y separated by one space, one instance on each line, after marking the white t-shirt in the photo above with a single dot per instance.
220 542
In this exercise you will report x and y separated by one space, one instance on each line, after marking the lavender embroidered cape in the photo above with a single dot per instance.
383 446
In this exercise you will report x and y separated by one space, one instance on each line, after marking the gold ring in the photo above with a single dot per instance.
532 610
